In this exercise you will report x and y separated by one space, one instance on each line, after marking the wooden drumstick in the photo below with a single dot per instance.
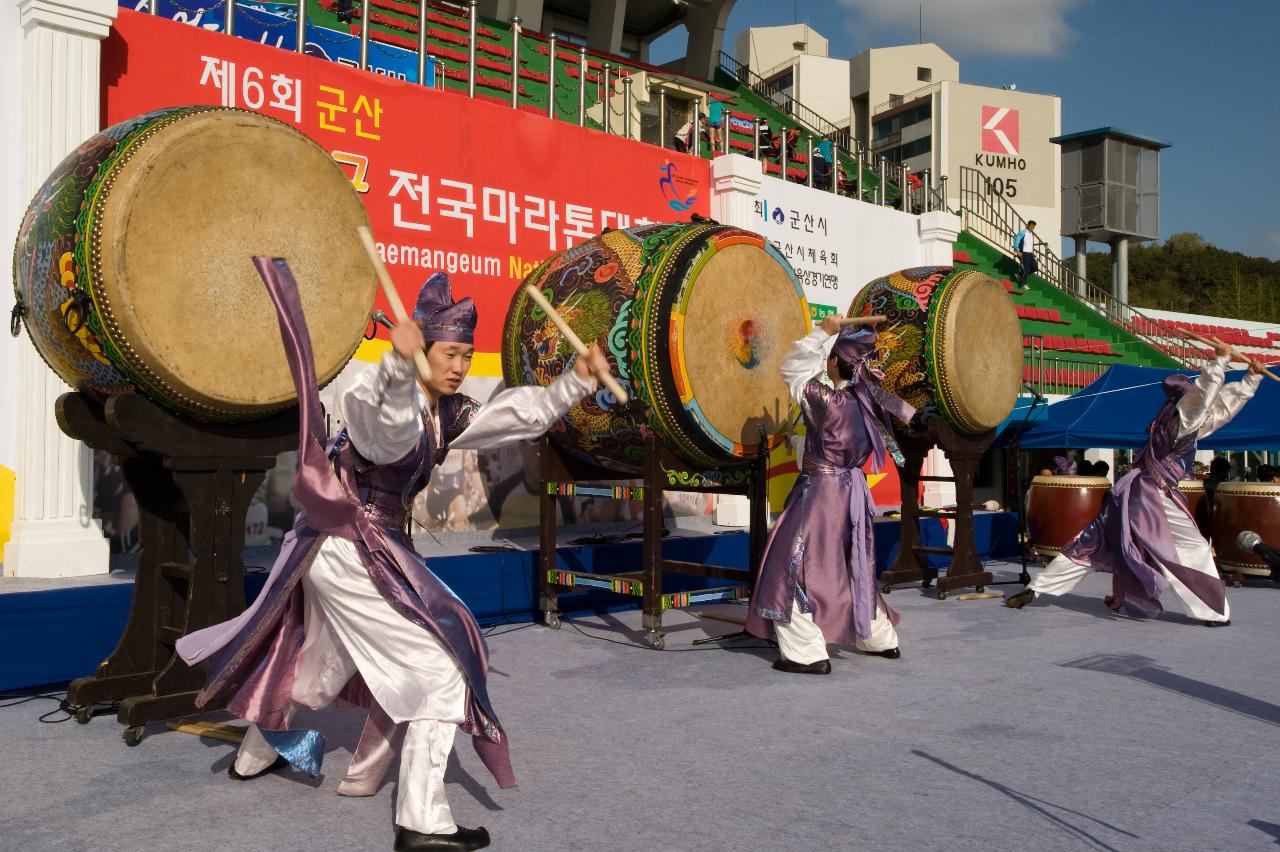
871 320
1235 354
393 298
606 378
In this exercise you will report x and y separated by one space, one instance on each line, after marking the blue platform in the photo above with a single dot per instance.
56 635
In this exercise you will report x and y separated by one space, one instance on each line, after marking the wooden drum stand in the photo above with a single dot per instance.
663 472
965 570
193 483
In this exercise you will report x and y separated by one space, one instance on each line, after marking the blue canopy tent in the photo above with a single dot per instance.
1116 408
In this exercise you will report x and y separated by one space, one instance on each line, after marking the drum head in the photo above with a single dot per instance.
180 222
739 312
1070 481
975 351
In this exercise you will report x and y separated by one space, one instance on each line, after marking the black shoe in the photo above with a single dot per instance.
891 654
231 770
408 840
1021 599
820 667
1226 623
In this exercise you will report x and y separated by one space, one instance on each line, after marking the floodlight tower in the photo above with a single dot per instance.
1110 194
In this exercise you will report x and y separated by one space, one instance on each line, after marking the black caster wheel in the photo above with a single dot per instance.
886 588
924 584
552 620
133 735
980 589
656 641
942 594
84 713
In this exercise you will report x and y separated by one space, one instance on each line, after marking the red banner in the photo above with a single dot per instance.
472 188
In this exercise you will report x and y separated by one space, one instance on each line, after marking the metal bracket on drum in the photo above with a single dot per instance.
16 316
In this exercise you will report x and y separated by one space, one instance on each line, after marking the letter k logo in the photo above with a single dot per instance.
1000 130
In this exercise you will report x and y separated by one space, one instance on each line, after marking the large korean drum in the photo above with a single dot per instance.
1058 507
1239 506
1193 491
695 320
134 263
952 339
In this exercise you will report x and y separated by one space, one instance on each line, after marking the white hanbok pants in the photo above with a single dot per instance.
1061 575
802 642
350 628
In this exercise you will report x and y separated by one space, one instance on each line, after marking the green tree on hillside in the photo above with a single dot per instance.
1186 273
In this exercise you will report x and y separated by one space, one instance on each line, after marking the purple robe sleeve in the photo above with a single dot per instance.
522 414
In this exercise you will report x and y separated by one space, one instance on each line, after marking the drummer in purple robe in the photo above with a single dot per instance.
817 585
350 609
1145 536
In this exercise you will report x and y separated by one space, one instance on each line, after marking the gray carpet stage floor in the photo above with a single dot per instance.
1059 727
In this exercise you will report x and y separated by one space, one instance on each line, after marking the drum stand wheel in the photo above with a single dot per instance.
656 640
965 569
193 483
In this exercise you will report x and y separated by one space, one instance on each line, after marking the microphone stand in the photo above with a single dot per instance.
1023 531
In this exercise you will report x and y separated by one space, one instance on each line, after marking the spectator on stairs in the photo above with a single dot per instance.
1024 244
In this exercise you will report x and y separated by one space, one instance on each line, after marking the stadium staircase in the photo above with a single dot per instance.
1072 330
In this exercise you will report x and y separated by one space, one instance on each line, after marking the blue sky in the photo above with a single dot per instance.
1199 75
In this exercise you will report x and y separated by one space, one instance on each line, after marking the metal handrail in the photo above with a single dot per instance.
989 216
899 100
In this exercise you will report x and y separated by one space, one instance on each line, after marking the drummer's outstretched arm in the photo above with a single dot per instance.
806 361
525 413
1228 402
383 410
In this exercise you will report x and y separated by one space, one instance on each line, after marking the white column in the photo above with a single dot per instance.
938 232
735 184
53 532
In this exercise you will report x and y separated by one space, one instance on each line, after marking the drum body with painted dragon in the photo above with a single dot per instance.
695 319
951 339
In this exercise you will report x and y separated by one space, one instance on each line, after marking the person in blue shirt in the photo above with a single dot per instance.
1024 244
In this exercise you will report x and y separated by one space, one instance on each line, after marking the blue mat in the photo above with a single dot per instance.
55 636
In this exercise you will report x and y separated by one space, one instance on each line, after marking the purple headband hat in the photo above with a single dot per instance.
440 317
854 344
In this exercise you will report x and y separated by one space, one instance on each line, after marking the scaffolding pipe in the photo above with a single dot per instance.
605 93
582 87
471 48
695 138
662 118
551 76
364 34
422 44
626 106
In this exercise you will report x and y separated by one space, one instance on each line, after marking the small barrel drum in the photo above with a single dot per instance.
134 263
1239 506
952 339
695 319
1058 507
1193 490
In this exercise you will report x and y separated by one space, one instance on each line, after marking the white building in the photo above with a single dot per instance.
908 105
